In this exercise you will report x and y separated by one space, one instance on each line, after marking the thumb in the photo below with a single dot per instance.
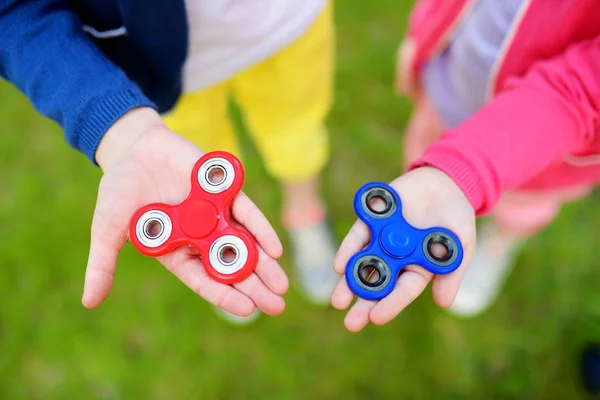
107 239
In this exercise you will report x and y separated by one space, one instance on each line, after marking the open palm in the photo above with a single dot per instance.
429 198
156 168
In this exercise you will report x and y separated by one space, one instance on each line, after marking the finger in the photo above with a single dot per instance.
355 240
107 239
358 316
342 296
267 301
190 271
249 215
445 287
411 283
271 273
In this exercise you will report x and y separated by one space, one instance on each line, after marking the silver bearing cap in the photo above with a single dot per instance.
228 254
153 228
210 168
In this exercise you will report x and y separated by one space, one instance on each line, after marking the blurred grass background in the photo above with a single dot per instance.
155 339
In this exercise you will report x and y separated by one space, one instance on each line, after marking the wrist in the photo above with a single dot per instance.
456 162
444 185
124 133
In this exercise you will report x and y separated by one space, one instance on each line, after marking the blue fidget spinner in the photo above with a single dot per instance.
372 272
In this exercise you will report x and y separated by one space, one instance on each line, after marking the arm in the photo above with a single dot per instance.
429 24
45 53
533 123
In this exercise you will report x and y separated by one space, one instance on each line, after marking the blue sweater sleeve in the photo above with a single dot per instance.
45 53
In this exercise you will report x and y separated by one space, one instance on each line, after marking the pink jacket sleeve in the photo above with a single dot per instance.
533 123
428 25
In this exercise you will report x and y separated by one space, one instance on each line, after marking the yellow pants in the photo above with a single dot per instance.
285 100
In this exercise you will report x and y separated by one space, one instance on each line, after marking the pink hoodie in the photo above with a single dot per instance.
540 129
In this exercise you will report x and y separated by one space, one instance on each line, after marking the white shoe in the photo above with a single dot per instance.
491 265
313 252
236 320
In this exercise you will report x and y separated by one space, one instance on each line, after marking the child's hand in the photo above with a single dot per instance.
429 198
144 162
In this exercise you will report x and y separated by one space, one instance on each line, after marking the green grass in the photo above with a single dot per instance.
155 339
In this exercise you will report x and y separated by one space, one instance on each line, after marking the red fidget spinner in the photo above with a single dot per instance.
203 220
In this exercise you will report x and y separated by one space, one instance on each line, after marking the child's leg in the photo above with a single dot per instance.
517 216
524 214
285 100
202 117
